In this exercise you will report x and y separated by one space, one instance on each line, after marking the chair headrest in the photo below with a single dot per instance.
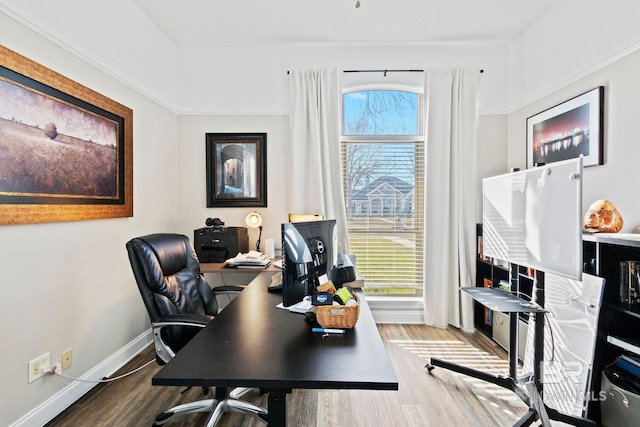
170 250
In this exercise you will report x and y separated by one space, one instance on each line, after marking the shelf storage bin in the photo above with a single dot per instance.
619 407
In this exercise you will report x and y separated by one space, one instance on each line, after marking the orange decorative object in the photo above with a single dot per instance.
602 217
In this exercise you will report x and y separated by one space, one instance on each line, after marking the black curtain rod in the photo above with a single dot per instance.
384 71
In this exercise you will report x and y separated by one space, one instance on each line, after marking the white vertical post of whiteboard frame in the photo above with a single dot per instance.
533 218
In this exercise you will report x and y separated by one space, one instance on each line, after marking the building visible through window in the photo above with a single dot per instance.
383 171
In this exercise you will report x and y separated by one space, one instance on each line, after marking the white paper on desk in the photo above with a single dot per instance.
251 259
303 306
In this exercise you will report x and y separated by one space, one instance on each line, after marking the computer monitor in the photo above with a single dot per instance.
307 253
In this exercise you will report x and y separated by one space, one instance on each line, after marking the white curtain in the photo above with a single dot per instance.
315 179
450 205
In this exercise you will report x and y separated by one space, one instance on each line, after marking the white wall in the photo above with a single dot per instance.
616 179
492 152
193 202
242 80
225 83
69 284
114 36
602 52
573 39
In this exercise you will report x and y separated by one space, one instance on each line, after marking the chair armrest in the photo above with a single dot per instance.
163 351
195 320
228 289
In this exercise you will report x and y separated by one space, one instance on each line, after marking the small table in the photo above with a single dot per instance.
252 343
497 299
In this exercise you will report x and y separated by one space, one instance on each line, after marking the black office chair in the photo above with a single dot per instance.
180 302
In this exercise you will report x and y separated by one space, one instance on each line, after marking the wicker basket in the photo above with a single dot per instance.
338 316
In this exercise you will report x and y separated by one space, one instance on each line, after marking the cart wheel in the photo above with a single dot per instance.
429 367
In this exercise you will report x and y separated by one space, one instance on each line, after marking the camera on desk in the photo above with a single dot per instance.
217 243
214 222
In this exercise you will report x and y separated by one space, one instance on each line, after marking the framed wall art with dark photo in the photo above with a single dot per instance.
568 130
236 169
65 150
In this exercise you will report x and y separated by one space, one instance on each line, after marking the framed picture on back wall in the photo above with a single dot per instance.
568 130
236 169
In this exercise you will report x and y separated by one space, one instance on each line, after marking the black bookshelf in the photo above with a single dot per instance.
488 274
618 321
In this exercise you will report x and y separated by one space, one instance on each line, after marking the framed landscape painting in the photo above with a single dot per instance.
236 169
568 130
65 150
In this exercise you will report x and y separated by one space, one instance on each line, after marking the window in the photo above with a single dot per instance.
383 174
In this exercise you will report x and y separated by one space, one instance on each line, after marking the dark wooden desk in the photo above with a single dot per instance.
251 343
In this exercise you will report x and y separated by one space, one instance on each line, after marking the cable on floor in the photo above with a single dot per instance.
104 380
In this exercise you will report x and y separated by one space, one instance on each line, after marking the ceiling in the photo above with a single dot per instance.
262 22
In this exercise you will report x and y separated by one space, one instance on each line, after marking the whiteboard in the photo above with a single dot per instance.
533 218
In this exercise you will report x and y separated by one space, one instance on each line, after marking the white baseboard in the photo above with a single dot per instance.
399 310
52 407
398 317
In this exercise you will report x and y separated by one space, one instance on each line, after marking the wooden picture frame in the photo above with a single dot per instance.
65 150
236 169
568 130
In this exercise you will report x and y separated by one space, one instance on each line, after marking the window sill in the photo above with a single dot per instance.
394 300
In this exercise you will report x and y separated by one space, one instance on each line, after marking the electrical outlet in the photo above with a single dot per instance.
39 367
67 359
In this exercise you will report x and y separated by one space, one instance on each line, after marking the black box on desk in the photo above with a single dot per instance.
217 244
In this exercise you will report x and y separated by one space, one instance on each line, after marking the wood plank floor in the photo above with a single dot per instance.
442 398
